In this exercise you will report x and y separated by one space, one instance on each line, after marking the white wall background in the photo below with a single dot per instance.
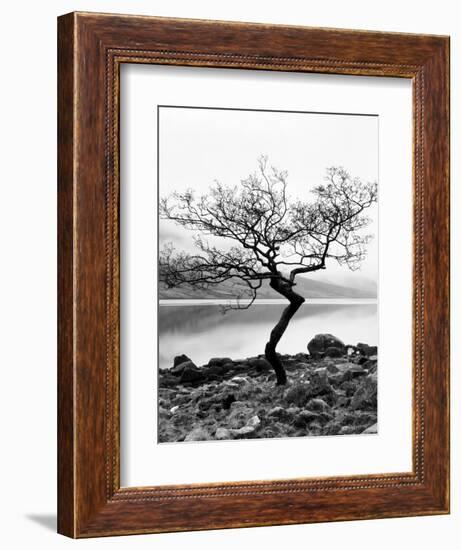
28 273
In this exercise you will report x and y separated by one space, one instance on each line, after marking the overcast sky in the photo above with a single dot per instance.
199 146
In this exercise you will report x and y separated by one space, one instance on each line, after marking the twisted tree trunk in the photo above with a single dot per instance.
277 332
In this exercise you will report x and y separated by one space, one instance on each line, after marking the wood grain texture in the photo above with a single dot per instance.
91 49
66 487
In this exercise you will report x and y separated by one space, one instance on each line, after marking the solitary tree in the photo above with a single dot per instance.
267 236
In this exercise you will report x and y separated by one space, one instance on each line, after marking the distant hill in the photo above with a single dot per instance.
307 287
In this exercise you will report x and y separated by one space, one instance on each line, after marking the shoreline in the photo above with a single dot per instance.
230 399
172 302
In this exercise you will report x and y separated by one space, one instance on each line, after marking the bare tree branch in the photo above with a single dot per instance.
267 236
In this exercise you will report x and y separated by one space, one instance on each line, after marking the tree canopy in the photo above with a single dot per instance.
266 234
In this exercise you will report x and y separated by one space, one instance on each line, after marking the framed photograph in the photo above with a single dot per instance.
253 275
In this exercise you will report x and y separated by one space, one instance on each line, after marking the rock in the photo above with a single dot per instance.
218 370
243 433
205 404
191 373
343 401
227 401
366 394
260 364
371 429
280 413
240 366
304 418
346 371
356 370
321 342
301 357
179 369
373 369
318 405
179 359
353 371
349 387
320 385
298 394
167 380
239 415
332 368
238 405
198 434
321 372
333 351
248 430
219 361
222 433
367 350
254 422
163 412
303 366
239 379
347 430
371 364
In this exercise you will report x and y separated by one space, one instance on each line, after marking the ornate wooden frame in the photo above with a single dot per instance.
91 49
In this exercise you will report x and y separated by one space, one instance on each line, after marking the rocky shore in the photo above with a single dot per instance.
332 390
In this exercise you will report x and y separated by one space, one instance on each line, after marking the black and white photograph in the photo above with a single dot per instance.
267 266
228 320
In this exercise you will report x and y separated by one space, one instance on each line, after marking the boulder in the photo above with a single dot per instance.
180 359
322 342
190 373
179 368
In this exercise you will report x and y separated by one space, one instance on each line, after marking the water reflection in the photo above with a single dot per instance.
202 331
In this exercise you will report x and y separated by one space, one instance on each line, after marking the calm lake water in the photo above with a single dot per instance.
202 331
